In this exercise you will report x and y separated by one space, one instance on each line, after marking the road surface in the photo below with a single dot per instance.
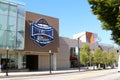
110 74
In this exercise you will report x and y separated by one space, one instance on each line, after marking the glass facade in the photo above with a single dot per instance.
12 25
73 57
12 61
88 40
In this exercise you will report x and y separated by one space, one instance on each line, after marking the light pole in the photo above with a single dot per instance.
78 39
7 62
50 53
78 54
118 61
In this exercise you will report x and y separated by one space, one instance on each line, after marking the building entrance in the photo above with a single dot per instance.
32 62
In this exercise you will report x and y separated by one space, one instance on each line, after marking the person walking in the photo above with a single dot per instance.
0 67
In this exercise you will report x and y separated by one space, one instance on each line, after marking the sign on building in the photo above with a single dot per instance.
41 32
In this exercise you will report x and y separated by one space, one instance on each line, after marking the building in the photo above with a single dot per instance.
107 47
31 41
12 31
88 37
27 39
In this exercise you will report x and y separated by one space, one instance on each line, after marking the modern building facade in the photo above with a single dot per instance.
12 31
27 39
88 37
12 25
31 41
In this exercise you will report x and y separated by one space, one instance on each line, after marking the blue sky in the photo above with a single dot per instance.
74 16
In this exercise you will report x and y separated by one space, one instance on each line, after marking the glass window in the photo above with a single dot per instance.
13 10
20 40
87 39
11 39
4 8
12 23
2 39
3 22
24 61
21 24
21 11
13 60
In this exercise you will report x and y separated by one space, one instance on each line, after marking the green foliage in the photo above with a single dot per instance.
97 56
111 58
84 54
104 58
117 57
108 12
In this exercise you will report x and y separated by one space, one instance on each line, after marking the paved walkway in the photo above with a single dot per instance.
40 73
33 73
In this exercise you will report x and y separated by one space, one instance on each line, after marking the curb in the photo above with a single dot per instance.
41 73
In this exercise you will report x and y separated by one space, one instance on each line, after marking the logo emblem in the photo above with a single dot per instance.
41 32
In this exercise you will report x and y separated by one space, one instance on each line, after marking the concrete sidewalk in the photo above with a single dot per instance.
38 73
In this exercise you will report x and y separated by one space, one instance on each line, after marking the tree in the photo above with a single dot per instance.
108 12
111 58
97 56
85 54
117 57
104 61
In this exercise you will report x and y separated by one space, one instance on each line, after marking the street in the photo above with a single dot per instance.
110 74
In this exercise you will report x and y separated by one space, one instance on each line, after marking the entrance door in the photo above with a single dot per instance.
32 62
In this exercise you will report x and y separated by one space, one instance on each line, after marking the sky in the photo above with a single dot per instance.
74 16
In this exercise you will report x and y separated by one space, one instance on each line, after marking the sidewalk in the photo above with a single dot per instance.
37 73
41 73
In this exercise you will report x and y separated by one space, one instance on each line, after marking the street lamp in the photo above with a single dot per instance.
78 39
50 53
7 62
78 54
118 61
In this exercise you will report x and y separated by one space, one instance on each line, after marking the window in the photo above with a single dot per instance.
11 40
3 22
20 40
88 40
4 8
21 24
13 10
12 25
2 39
12 60
21 11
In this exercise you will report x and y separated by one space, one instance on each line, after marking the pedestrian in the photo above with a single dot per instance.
3 64
0 67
